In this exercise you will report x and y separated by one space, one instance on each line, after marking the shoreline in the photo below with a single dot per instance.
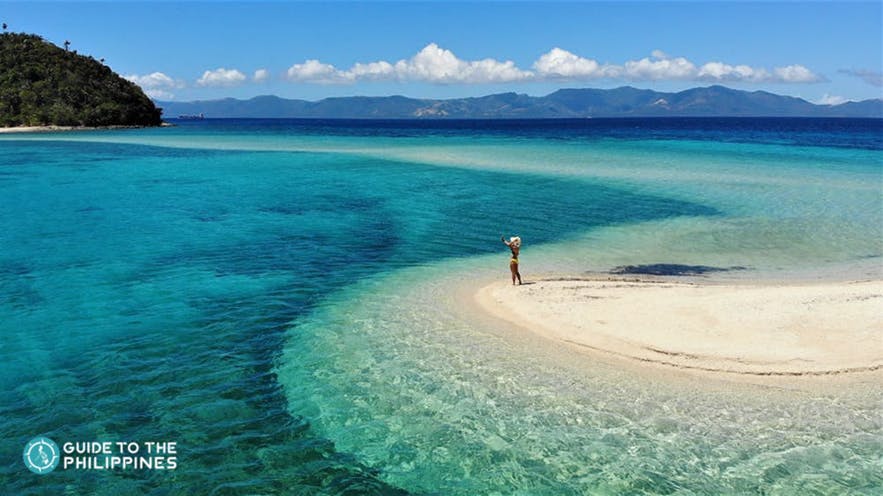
733 329
62 129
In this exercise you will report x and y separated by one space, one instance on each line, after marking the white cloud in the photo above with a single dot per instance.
661 66
221 77
795 74
313 71
719 71
154 80
435 64
373 71
432 64
831 100
561 64
157 94
156 84
261 75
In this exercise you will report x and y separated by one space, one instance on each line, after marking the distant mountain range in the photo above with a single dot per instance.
712 101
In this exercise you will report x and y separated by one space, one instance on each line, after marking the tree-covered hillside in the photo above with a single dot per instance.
42 84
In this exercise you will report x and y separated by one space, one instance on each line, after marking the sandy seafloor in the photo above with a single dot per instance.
450 397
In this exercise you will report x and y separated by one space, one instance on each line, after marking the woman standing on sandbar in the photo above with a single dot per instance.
514 244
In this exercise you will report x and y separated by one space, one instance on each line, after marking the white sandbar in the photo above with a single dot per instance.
756 329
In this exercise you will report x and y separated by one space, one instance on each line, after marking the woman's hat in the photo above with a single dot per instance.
515 240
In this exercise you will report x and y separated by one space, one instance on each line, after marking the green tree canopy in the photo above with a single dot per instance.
42 84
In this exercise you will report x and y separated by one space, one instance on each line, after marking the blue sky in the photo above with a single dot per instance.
820 51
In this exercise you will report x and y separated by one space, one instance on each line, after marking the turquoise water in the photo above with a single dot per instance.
284 301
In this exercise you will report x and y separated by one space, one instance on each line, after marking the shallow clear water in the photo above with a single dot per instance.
278 297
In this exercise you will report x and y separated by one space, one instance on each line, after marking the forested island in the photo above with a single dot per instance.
42 84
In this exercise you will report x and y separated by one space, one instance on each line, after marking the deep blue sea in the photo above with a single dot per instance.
283 299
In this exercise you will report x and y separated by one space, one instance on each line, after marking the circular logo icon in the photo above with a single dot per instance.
41 455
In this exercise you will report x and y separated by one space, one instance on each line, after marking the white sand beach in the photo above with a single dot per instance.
59 129
805 329
40 129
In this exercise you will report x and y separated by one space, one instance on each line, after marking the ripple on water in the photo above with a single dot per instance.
397 373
